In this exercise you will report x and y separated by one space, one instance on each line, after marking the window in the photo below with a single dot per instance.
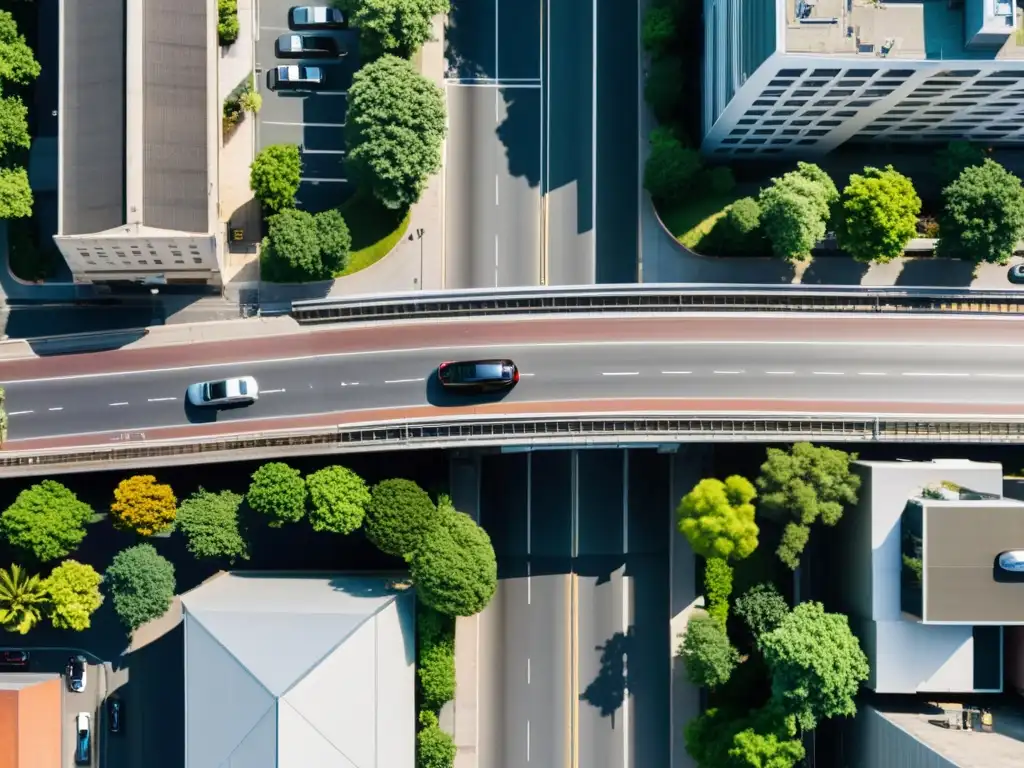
860 72
197 260
795 103
793 72
157 261
806 142
143 262
838 94
754 141
762 132
780 83
175 253
825 73
733 132
817 132
746 121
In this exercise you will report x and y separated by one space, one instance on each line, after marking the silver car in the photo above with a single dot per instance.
316 16
295 76
240 391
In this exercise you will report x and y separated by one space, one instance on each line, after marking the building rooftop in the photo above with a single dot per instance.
933 29
30 720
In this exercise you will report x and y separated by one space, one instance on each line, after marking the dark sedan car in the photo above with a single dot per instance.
1016 274
301 46
478 375
14 658
76 673
114 714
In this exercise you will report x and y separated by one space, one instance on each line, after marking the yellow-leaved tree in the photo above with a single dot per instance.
143 505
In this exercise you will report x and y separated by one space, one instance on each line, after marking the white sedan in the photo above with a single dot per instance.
240 391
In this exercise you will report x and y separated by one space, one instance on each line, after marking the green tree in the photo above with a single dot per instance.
762 608
143 505
339 499
73 591
15 194
816 663
436 668
802 485
795 210
664 87
17 62
395 126
763 738
738 232
211 526
792 544
399 516
300 246
22 600
278 492
718 518
454 567
951 160
141 584
670 166
335 242
659 29
717 588
274 176
13 125
879 210
982 218
227 21
393 26
707 653
434 748
46 522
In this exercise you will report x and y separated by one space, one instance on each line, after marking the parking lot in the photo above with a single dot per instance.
313 120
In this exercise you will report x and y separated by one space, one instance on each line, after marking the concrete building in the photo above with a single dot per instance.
138 140
804 76
30 720
299 671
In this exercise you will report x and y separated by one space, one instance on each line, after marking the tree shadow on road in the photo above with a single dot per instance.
933 272
607 692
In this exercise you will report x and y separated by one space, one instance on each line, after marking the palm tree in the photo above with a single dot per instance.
22 599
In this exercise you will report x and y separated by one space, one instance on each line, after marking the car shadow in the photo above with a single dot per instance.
208 414
438 396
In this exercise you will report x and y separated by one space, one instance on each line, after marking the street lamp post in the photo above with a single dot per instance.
419 236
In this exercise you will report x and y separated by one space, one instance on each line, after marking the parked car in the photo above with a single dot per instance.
478 375
1016 273
76 672
239 391
323 16
301 46
83 739
114 713
14 658
295 77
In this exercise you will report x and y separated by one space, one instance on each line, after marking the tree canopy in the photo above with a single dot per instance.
879 210
17 62
738 232
13 125
46 522
211 526
435 748
717 588
278 492
658 30
274 176
762 738
664 86
393 26
395 126
803 485
143 505
436 665
399 516
15 194
670 166
951 160
73 590
707 653
141 584
22 600
762 608
301 246
339 499
718 518
454 567
795 210
817 664
983 215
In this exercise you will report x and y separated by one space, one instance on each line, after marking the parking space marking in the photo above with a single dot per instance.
327 181
322 151
305 125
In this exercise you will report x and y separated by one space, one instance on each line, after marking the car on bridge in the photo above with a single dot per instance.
242 390
478 375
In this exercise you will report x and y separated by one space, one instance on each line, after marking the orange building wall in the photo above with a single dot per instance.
39 724
9 729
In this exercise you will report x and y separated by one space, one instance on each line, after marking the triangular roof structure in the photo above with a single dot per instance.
299 671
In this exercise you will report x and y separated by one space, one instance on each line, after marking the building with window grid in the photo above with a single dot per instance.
804 76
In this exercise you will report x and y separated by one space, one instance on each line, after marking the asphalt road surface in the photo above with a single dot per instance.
974 375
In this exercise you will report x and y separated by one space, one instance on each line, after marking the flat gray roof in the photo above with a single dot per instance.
176 175
960 545
93 116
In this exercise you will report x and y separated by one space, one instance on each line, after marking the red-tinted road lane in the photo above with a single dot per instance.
671 407
520 331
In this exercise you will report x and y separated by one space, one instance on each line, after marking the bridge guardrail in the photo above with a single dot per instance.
483 431
653 298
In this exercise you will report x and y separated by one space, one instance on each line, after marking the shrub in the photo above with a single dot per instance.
795 210
339 499
22 599
454 567
45 522
762 608
436 669
659 29
275 175
301 246
670 167
878 218
279 492
719 180
983 215
954 158
399 516
227 21
717 518
211 526
73 590
434 747
143 505
737 232
141 583
663 87
707 653
717 588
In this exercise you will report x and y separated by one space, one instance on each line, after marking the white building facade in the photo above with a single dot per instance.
804 76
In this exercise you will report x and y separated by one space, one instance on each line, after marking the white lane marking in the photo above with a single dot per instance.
161 399
347 384
58 408
403 381
528 741
323 151
323 181
871 373
936 374
117 405
828 373
519 346
728 373
620 373
676 373
521 374
527 671
19 413
271 391
780 373
1001 375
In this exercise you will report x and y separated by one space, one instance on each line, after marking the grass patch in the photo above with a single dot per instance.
690 221
29 260
375 230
